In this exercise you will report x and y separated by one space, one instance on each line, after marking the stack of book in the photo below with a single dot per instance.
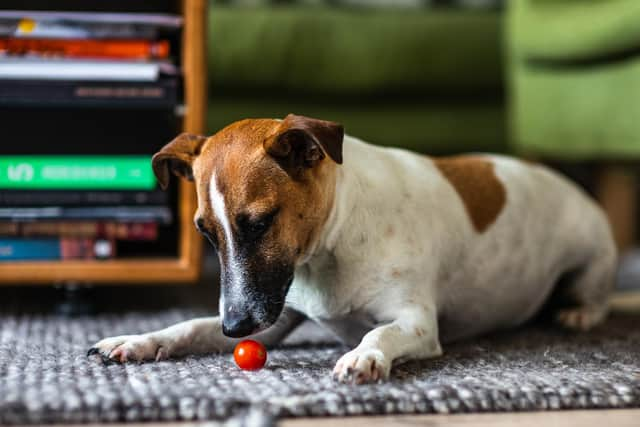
77 207
68 191
93 58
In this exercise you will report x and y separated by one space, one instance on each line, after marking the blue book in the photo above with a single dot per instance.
30 249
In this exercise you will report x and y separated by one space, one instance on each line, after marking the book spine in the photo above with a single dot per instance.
129 232
73 248
75 198
80 229
147 13
55 249
127 214
83 70
9 229
29 250
162 94
106 49
61 229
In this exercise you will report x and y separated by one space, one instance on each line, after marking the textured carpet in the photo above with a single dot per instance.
45 376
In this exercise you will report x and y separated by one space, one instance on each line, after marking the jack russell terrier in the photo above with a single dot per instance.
393 251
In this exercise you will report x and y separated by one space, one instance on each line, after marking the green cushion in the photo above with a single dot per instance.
578 115
353 51
574 29
572 95
434 129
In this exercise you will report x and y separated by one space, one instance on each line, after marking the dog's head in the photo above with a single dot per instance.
265 189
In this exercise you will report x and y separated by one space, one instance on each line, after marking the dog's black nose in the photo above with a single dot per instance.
238 324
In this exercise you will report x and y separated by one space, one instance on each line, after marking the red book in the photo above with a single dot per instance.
99 49
146 231
71 248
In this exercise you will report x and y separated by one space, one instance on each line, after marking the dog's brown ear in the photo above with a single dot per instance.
177 157
302 142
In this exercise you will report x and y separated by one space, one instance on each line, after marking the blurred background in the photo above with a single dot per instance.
554 81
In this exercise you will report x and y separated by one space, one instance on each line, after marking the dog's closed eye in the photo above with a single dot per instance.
253 228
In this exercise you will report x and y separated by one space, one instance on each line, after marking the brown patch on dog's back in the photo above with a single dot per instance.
475 181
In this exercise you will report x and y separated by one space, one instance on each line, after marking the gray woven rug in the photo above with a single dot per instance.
45 376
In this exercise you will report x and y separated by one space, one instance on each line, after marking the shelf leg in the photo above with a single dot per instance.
617 192
76 300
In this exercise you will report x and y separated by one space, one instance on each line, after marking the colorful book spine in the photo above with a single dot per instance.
29 250
94 230
129 232
76 198
71 248
122 214
105 49
54 249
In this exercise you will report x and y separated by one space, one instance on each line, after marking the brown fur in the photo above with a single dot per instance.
476 183
328 134
176 158
254 183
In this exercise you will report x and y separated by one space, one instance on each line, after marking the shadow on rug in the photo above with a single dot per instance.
46 378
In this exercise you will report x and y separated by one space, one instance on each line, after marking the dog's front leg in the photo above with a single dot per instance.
194 336
412 335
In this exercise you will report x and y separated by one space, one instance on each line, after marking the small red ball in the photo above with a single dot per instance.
250 355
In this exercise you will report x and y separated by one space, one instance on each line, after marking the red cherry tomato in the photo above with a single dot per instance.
250 355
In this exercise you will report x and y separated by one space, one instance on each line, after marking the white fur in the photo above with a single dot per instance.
546 227
433 270
234 268
399 266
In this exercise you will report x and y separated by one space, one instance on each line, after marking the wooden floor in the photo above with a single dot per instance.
608 418
590 418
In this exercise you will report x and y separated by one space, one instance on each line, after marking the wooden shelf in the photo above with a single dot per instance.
186 266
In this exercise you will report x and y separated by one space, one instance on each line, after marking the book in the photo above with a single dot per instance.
101 49
27 68
19 249
156 19
12 250
9 228
50 172
163 93
75 198
79 25
105 230
111 6
158 214
146 231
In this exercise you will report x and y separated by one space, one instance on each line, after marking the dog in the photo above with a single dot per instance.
392 251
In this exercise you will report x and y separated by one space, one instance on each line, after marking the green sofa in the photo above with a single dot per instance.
430 79
575 78
574 85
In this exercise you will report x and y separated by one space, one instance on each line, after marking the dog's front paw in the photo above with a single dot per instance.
128 348
362 366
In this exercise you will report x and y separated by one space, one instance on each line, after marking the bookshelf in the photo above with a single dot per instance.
184 265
